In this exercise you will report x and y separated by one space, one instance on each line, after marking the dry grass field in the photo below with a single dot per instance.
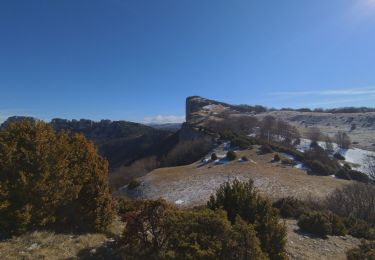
193 184
48 245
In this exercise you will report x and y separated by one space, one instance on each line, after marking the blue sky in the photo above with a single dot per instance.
138 60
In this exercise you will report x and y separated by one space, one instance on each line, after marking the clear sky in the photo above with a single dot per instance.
138 59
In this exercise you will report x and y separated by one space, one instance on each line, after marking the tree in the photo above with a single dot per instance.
268 128
370 165
314 134
342 140
328 144
51 179
287 134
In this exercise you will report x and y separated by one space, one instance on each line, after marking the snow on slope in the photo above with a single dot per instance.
355 156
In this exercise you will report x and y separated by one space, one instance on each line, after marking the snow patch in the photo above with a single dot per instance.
355 156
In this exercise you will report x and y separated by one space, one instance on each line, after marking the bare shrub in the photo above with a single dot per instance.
328 144
370 165
314 134
125 174
342 140
187 152
355 200
268 128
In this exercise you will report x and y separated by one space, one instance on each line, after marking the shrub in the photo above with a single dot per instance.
359 228
125 205
315 223
318 168
345 202
289 207
213 157
338 156
366 250
287 161
51 179
231 155
314 144
343 173
338 226
242 199
322 223
359 176
134 183
265 148
156 230
241 142
319 161
187 152
343 140
276 158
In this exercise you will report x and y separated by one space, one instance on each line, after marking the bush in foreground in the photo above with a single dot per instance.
242 199
345 202
49 179
159 231
359 228
366 250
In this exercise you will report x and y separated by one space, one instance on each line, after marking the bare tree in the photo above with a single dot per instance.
314 134
370 166
328 144
287 133
342 140
268 128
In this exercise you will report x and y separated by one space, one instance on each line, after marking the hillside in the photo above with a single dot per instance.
200 110
193 184
120 142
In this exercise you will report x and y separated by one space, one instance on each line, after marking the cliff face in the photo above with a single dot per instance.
194 105
199 110
190 133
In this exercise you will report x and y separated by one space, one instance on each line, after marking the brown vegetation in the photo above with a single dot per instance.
49 179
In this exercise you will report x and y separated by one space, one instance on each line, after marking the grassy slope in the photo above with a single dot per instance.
195 183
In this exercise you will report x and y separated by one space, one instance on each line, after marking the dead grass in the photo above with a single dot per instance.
194 183
48 245
52 246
